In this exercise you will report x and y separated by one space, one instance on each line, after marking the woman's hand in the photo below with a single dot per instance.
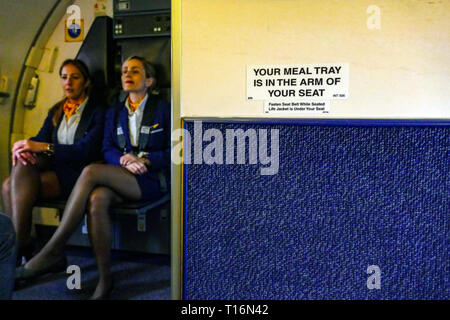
137 167
24 157
127 159
28 145
134 164
25 151
18 145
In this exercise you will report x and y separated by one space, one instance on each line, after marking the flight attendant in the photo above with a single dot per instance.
48 165
136 148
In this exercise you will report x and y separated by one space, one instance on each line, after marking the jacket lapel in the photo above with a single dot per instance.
84 121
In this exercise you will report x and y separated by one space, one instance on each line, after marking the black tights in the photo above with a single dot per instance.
98 186
21 190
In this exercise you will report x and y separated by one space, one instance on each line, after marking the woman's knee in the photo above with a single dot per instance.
21 172
91 172
99 201
6 187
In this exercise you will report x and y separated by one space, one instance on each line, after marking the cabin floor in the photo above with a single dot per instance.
137 276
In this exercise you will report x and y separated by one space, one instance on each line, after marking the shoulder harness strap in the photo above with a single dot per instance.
147 121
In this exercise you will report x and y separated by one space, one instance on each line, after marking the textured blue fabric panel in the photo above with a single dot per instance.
344 198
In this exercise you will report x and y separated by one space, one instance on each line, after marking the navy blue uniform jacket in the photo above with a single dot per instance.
158 144
69 159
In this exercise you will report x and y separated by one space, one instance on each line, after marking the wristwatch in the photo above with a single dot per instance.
143 156
50 149
146 161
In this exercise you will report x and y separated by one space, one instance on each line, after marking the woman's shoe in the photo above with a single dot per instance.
23 274
107 294
27 252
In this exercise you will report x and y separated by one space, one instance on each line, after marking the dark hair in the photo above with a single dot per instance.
80 66
150 71
57 109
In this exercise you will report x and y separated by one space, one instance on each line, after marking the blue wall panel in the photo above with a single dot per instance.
345 197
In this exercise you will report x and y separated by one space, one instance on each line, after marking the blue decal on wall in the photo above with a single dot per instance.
74 30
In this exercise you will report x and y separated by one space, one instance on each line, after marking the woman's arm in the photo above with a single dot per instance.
88 148
112 152
24 150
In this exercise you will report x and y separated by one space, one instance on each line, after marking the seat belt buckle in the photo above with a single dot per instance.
141 222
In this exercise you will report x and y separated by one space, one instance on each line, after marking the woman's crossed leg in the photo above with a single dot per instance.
91 185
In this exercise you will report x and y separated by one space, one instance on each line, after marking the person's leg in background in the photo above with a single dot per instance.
7 257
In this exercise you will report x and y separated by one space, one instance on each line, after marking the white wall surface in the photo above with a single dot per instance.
19 24
401 70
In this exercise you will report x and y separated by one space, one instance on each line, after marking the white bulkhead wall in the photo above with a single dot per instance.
19 23
400 70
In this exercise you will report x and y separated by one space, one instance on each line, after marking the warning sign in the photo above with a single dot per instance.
284 106
302 88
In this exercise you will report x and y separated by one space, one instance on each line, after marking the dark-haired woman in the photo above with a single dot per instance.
137 149
48 165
